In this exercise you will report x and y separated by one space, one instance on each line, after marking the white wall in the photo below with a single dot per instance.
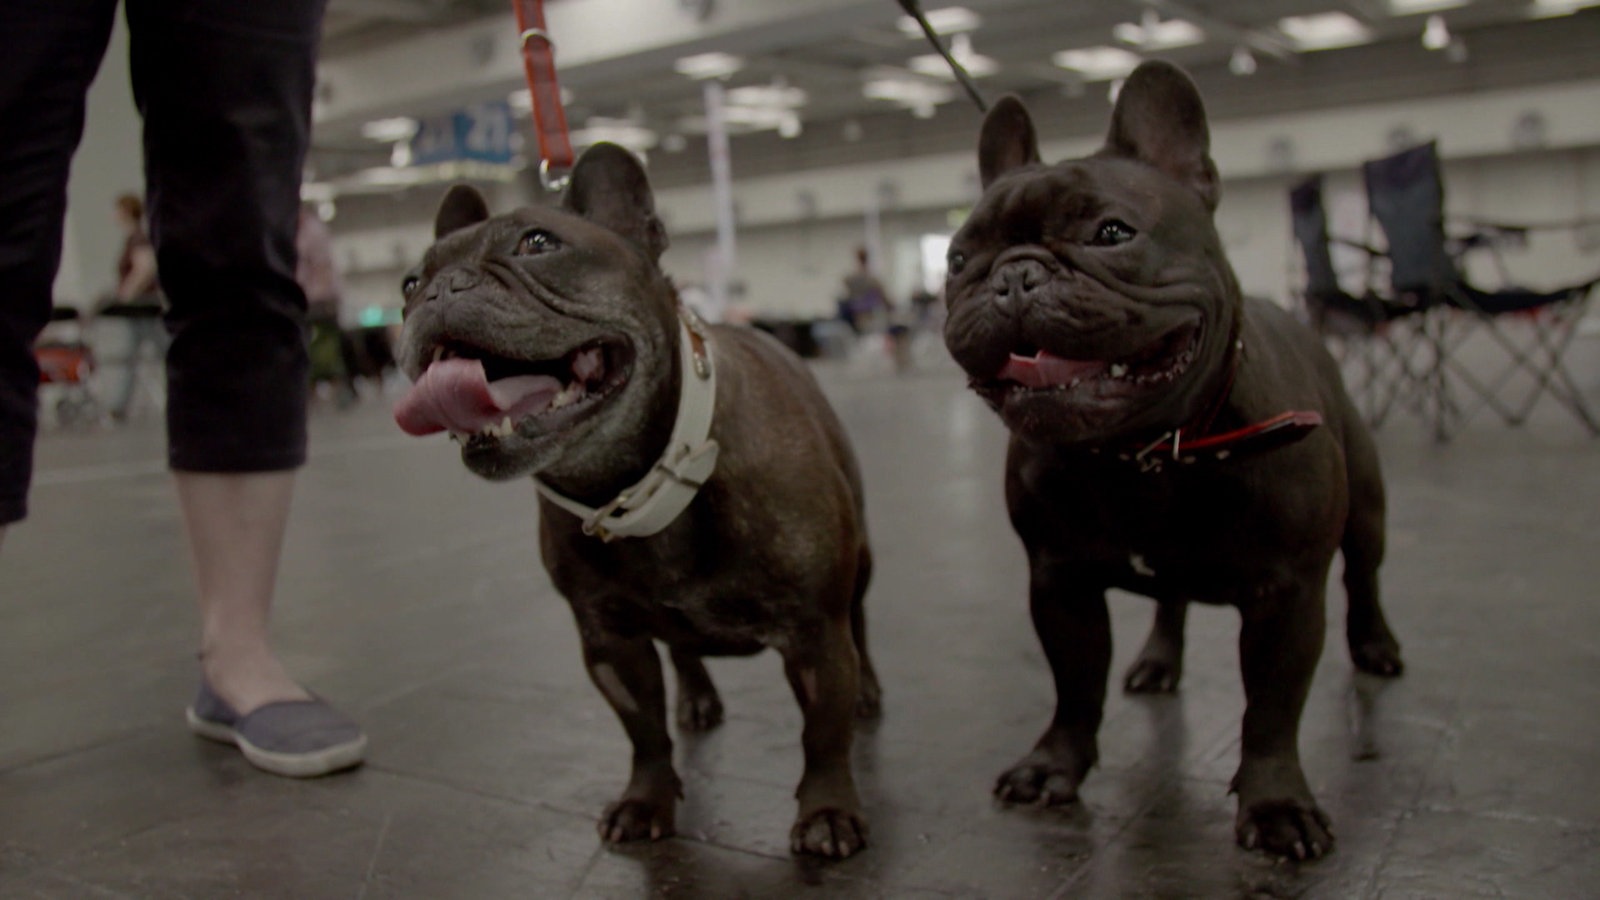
793 251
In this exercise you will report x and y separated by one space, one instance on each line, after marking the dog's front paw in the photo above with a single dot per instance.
1151 676
699 712
1284 828
833 833
1378 656
632 819
1040 781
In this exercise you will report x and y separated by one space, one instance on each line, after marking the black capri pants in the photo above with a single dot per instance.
224 87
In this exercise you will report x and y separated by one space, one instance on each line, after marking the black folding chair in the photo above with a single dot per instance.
1364 331
1405 194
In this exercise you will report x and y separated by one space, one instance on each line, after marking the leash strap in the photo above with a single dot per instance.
549 115
913 9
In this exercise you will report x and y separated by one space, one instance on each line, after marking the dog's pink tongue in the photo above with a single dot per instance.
1048 370
453 394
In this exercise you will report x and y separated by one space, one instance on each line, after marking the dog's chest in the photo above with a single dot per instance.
1198 536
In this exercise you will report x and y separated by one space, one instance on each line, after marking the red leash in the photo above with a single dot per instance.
549 115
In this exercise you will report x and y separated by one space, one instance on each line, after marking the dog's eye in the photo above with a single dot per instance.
955 262
536 242
409 284
1113 232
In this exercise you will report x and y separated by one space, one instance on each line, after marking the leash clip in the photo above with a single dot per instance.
552 182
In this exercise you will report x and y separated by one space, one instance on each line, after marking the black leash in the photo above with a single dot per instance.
913 9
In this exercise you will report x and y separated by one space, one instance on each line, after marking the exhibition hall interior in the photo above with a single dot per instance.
843 448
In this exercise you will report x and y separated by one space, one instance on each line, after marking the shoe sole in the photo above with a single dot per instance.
290 765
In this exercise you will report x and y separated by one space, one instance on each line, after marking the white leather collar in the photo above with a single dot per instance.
657 499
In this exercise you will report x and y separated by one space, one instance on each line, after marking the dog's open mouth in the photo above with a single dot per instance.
1157 363
478 395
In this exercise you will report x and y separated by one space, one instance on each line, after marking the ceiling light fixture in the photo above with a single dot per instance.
704 66
976 64
916 94
1097 63
1544 9
600 129
398 128
949 20
1151 33
1416 7
777 95
1436 35
1324 31
1242 62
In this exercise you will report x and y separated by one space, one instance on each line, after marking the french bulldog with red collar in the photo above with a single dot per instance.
1168 437
694 486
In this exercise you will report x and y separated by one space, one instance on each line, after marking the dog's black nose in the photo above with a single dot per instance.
454 280
1016 283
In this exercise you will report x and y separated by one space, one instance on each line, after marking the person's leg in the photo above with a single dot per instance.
225 92
49 52
236 524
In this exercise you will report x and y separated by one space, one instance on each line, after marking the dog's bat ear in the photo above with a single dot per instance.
609 187
462 206
1007 140
1161 120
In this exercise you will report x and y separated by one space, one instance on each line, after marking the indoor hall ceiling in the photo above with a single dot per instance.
1493 43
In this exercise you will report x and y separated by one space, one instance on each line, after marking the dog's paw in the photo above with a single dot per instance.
699 712
1151 676
1040 783
828 832
636 820
1284 828
1378 657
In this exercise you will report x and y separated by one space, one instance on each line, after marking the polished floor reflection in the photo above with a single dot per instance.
413 597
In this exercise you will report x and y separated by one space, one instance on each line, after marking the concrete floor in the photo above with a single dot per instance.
412 596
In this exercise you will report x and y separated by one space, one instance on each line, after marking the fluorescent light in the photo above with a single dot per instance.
916 94
1150 33
702 66
1414 7
1324 31
622 132
1544 9
780 96
976 64
399 128
948 20
1242 62
1436 35
522 100
1097 63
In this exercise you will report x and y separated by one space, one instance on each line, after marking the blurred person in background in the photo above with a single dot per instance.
136 299
333 357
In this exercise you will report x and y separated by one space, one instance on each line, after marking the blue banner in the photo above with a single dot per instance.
481 132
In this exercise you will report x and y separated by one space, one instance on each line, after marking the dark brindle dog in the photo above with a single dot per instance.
1168 438
695 487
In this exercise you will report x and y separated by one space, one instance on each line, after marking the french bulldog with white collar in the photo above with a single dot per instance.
695 487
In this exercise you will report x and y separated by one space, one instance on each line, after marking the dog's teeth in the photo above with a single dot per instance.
507 427
438 353
1119 370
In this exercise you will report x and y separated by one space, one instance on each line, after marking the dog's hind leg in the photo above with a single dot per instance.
1373 647
1160 663
822 668
869 701
699 706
